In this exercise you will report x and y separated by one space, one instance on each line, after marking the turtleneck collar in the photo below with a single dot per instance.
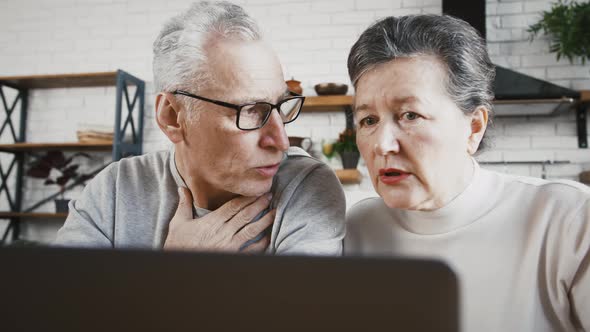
475 200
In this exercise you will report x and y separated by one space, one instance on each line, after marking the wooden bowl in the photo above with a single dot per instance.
324 89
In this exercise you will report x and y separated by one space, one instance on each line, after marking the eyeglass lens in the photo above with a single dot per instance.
253 116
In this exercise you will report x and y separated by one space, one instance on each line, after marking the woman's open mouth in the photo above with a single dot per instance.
392 175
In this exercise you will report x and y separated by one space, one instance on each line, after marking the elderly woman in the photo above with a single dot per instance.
519 245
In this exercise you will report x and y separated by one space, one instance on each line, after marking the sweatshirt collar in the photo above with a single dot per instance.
197 211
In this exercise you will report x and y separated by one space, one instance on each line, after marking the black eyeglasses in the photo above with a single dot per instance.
254 115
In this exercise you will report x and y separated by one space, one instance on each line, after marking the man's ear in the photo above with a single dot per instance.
479 124
168 117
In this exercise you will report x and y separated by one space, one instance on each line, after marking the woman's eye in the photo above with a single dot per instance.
368 121
411 116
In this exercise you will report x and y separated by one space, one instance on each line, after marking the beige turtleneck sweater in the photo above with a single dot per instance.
520 247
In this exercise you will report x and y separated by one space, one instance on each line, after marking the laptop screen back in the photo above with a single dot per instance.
104 290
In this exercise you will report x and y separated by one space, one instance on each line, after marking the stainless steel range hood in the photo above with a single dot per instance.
538 107
516 94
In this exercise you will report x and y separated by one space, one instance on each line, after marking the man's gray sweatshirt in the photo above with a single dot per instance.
131 202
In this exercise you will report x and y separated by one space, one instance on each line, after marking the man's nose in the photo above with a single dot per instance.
387 140
274 134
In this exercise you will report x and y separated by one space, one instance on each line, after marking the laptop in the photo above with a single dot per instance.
60 289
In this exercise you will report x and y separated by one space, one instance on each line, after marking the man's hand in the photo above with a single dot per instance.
225 229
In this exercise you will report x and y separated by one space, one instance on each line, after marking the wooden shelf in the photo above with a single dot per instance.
72 146
61 80
318 101
326 103
585 95
33 215
349 176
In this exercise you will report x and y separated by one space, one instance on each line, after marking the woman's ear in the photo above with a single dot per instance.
168 117
479 123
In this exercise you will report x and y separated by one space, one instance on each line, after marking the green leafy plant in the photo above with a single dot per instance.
65 171
568 25
346 143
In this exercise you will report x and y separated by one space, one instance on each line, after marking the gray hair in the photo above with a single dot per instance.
470 72
179 55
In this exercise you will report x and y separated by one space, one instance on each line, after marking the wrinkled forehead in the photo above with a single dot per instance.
243 71
400 79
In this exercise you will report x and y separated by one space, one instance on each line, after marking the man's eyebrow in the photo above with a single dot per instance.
251 99
247 100
285 94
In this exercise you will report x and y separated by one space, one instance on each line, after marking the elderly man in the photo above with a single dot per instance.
230 174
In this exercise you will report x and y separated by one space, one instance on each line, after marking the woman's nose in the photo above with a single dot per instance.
387 140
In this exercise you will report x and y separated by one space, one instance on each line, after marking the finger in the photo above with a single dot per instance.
253 229
258 247
219 219
234 206
185 204
248 213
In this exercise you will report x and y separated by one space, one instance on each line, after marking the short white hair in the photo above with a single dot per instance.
179 56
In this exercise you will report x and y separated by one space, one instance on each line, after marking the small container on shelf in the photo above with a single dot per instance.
294 86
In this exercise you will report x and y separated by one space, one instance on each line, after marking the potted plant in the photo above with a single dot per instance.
55 168
567 24
346 147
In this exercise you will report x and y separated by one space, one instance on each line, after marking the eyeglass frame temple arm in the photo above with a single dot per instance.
216 102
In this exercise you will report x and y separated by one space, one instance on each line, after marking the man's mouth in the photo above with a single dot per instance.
268 170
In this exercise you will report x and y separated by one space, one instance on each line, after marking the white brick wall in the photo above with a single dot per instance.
312 38
507 22
533 138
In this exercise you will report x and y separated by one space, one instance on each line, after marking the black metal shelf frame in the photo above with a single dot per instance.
121 149
17 159
581 115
